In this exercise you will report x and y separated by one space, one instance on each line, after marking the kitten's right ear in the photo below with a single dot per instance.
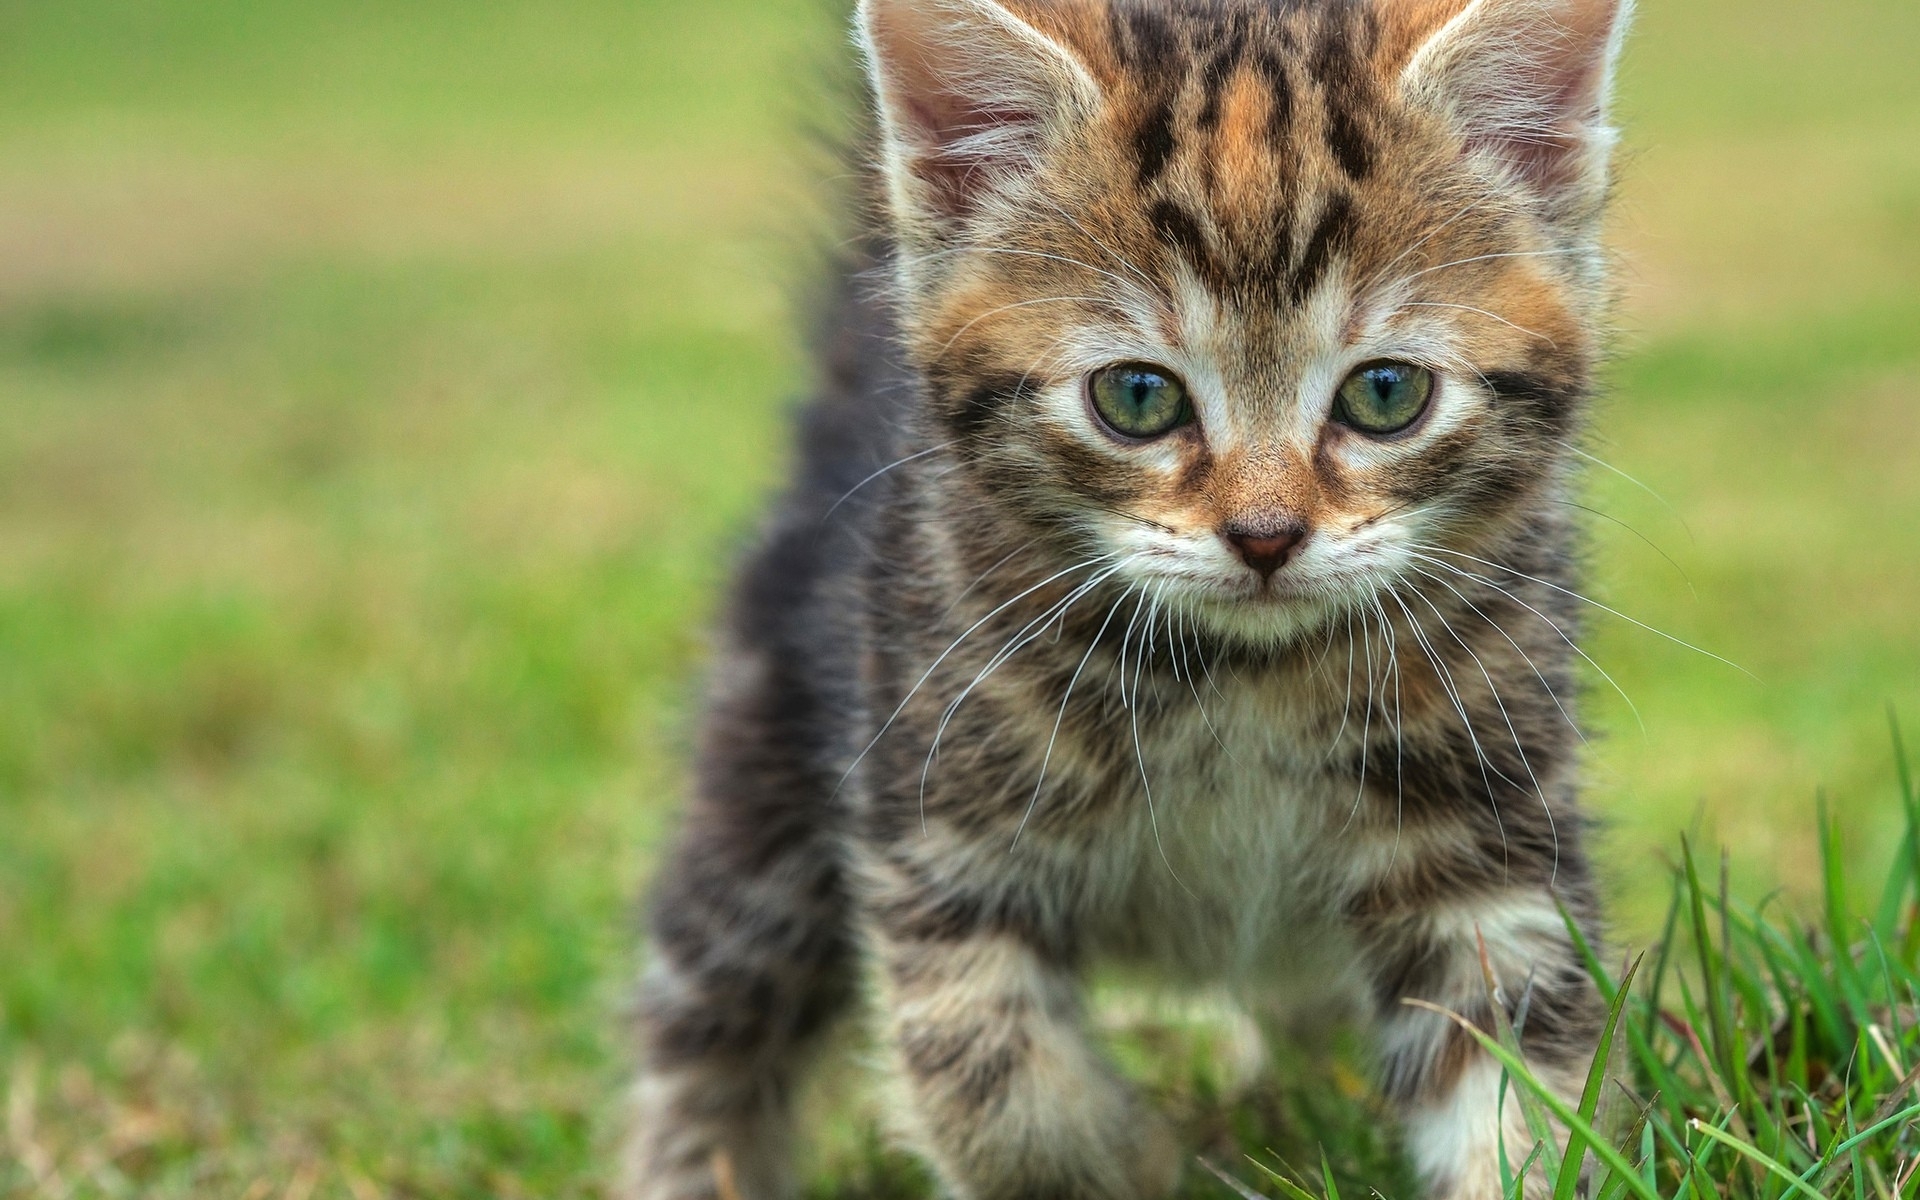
968 94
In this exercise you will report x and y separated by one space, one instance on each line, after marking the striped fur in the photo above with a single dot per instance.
996 702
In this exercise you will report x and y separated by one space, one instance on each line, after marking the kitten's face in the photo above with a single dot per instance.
1253 311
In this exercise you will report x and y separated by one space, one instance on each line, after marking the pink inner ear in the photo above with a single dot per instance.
1551 158
968 89
964 143
1529 82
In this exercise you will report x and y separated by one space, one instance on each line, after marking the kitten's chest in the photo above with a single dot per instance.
1230 857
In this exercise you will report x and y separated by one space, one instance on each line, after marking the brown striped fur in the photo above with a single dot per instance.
997 703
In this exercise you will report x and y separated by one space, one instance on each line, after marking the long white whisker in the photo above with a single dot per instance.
1601 462
1139 755
1552 827
994 312
1550 623
1374 279
951 647
1459 706
1651 544
898 462
1602 607
1528 658
1026 634
1461 262
1011 253
1061 716
1347 706
1152 287
982 577
1399 729
1366 725
1532 333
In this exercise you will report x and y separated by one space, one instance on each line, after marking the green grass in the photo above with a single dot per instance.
385 388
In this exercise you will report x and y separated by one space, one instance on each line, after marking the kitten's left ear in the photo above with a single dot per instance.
968 94
1528 82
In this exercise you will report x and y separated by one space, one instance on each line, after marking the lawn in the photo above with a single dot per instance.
385 389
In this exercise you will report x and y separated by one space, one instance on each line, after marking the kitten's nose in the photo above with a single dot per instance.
1265 548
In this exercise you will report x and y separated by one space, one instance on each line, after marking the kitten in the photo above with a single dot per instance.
1177 574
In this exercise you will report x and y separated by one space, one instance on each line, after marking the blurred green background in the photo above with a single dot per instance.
385 388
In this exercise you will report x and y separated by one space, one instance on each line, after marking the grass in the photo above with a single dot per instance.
385 388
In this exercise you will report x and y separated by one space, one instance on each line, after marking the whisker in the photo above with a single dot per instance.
994 312
1550 623
1552 827
1452 690
1461 262
1366 727
1012 253
1651 544
1139 754
1347 706
1026 634
1568 717
1153 289
1194 687
935 665
982 577
1602 607
898 462
1596 460
1059 718
1374 279
1532 333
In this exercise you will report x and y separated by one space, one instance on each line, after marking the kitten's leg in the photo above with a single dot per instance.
1007 1097
751 958
1447 1087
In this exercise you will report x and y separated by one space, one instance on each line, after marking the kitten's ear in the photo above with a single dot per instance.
1529 82
968 95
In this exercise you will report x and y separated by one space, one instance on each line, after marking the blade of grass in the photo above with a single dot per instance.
1813 1175
1834 890
1756 1155
1569 1176
1246 1193
1326 1176
1516 1188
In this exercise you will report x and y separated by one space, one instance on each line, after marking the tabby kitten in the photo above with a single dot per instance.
1177 574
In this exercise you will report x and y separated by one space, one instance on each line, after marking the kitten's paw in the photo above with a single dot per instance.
688 1143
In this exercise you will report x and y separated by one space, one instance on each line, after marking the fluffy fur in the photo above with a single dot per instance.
997 702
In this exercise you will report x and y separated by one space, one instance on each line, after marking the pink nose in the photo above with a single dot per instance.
1266 550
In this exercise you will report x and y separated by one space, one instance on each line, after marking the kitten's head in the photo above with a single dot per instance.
1261 300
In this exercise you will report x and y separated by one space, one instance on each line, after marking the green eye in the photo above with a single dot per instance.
1383 397
1140 400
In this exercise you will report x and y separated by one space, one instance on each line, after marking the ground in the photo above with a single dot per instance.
384 390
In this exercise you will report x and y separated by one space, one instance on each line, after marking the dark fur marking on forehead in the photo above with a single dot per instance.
1280 116
1178 228
1219 69
1331 235
1339 65
1154 141
1351 146
1346 41
1147 39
